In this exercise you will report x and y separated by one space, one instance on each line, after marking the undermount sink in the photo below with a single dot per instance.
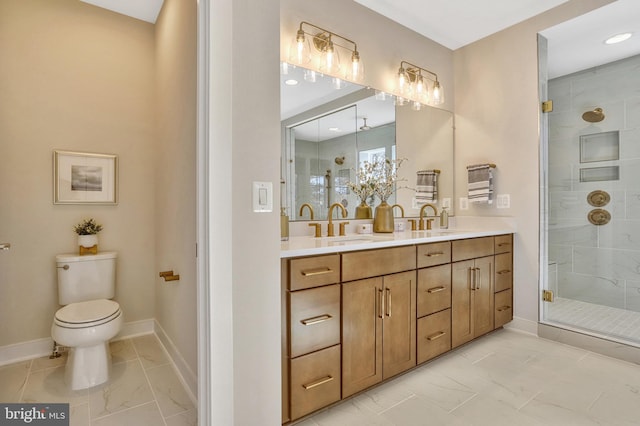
436 232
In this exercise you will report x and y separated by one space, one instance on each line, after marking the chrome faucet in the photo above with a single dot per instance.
310 210
435 211
330 232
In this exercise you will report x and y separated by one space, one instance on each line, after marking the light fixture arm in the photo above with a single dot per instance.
414 71
324 36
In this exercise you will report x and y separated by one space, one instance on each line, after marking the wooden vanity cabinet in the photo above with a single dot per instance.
311 332
503 280
472 294
378 317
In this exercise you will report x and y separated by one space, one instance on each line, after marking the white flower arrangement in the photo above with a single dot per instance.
378 177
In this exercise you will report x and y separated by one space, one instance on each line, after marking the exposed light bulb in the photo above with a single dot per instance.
437 93
299 52
357 68
403 81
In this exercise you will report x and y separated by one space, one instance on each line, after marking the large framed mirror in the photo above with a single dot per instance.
329 128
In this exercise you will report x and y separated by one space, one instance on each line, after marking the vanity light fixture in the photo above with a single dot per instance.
324 56
618 38
418 88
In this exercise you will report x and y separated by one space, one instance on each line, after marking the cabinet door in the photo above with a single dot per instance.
362 313
483 297
399 324
461 302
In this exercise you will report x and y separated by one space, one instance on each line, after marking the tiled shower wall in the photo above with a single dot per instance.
597 264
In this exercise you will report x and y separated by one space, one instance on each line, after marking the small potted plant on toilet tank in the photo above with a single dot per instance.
87 231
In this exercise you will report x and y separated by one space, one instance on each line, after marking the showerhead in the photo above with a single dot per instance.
594 116
364 126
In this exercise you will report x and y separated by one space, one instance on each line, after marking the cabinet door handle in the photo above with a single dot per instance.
388 302
478 278
435 336
434 254
504 271
317 271
379 302
435 289
471 278
318 382
316 320
503 308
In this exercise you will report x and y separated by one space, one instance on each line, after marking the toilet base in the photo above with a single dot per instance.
87 366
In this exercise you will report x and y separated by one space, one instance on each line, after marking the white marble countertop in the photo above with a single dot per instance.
308 245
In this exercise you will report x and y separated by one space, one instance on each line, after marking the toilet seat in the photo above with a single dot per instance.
87 314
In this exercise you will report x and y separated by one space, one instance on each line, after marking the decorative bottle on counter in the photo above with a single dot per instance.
284 225
444 218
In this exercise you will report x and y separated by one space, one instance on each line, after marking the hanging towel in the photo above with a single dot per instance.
480 183
427 186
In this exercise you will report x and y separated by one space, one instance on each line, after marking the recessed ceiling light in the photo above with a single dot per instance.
291 82
617 38
334 129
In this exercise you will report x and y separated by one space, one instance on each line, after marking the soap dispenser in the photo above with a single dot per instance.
444 218
284 225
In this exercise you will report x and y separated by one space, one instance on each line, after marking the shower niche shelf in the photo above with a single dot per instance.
604 146
598 174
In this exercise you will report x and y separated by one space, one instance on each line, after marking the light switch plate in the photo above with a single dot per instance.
446 202
464 203
503 201
262 197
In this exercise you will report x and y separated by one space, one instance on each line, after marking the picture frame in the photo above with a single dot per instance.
85 178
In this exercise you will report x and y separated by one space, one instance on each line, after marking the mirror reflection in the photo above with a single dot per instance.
329 130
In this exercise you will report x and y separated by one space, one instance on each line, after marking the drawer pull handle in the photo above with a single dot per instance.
503 244
436 335
388 302
434 254
318 271
503 308
504 271
318 382
316 320
435 289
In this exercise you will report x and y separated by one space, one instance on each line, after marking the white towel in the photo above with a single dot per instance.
427 186
480 183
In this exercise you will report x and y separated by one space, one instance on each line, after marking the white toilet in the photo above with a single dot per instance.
89 319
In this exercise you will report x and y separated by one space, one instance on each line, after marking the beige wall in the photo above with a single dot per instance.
497 109
73 77
175 176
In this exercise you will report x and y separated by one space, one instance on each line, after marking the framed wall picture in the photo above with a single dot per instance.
85 178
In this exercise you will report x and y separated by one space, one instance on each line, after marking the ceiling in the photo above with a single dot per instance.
145 10
456 23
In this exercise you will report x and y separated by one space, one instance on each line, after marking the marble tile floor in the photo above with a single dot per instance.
504 378
143 389
603 320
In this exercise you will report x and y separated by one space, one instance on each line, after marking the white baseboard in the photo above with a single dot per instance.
23 351
523 325
186 375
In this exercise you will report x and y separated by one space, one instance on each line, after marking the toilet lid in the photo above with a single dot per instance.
87 314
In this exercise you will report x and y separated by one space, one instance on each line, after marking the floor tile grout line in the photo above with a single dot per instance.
91 421
413 395
463 403
529 400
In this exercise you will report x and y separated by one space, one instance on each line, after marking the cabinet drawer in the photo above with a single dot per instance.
504 271
504 243
434 254
314 319
315 381
434 289
434 335
308 272
471 248
372 263
504 308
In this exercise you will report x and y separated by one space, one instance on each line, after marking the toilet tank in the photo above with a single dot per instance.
88 277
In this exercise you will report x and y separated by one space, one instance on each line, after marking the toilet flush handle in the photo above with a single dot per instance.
65 267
